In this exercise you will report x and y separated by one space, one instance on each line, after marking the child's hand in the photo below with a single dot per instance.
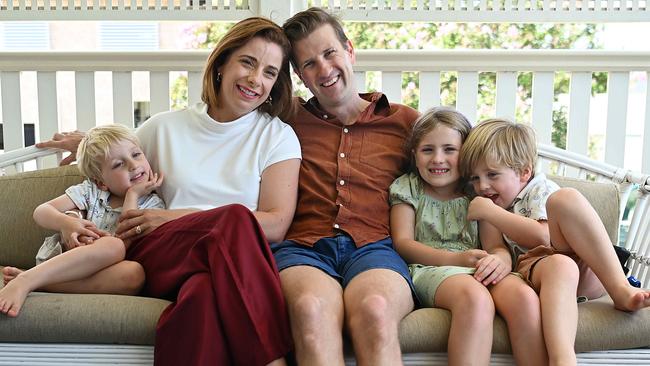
479 208
145 187
73 228
490 270
470 258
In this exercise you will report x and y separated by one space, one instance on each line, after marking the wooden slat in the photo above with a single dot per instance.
578 129
429 90
543 105
391 84
466 99
159 91
617 95
84 82
11 114
122 98
194 81
506 94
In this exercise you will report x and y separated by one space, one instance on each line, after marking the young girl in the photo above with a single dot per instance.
119 179
557 235
431 232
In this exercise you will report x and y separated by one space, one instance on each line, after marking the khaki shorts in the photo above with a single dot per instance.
526 262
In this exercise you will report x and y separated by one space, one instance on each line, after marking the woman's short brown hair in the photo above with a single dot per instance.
240 34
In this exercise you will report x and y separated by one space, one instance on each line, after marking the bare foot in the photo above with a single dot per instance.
9 273
634 300
13 295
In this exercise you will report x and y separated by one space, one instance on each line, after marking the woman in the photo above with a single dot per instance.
233 153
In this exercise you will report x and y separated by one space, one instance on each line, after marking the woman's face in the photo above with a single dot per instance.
247 78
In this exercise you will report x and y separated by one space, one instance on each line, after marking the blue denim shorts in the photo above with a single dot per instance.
340 258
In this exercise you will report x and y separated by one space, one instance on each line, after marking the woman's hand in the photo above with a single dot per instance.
491 269
137 223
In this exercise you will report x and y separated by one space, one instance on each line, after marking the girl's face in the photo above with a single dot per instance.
247 78
499 183
436 158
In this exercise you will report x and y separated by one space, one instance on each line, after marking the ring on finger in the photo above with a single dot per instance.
138 230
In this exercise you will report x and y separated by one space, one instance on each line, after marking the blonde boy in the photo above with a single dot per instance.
119 179
556 235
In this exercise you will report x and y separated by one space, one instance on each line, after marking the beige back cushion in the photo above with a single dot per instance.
20 237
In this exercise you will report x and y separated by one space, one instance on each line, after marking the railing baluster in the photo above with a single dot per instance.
85 99
11 113
429 90
578 127
391 83
506 94
645 156
48 123
360 79
543 105
194 82
467 94
617 91
123 98
159 91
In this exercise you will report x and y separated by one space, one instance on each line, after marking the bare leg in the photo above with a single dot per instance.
315 302
278 362
556 279
472 317
575 226
375 303
122 278
519 305
71 265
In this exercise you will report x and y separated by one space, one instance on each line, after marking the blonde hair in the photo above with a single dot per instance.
95 147
499 142
429 120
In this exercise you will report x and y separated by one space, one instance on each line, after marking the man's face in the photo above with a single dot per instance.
325 66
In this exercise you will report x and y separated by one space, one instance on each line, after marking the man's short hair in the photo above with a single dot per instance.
499 142
95 148
302 24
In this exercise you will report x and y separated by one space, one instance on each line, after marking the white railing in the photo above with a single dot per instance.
33 81
352 10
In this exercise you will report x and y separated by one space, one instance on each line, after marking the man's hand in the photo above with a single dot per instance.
65 141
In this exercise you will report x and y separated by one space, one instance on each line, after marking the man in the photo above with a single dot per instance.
337 267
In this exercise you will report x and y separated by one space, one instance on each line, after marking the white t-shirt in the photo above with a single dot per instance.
209 164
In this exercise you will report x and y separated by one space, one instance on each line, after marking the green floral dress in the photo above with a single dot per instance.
439 224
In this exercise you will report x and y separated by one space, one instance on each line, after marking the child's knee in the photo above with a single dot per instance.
559 266
564 198
132 276
112 247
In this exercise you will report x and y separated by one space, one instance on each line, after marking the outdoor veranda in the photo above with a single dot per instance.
107 80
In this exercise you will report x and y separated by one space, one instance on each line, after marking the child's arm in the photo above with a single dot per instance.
402 226
141 189
50 215
526 232
494 267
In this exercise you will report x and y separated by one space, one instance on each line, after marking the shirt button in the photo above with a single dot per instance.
346 130
336 226
342 182
342 155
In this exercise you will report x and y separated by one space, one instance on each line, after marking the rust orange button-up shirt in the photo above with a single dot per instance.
346 170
